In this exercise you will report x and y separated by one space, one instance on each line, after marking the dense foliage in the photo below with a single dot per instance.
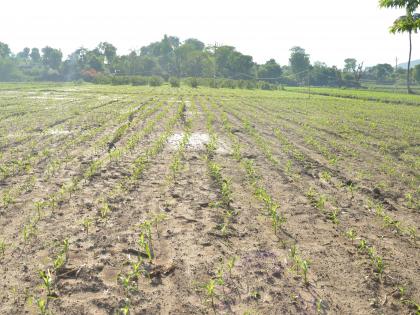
215 66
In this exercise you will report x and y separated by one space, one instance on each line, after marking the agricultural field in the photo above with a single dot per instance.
140 200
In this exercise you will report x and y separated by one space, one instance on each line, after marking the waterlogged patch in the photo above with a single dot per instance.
197 142
58 132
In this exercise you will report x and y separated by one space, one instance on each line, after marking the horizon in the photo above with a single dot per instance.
357 34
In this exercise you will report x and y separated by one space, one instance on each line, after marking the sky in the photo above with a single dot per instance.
329 30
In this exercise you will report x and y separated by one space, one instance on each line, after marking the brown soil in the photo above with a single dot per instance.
188 246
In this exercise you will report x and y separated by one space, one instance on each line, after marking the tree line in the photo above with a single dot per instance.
172 58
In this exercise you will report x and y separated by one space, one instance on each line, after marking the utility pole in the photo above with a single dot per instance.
214 64
309 83
396 68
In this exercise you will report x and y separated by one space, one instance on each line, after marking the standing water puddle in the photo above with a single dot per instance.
197 142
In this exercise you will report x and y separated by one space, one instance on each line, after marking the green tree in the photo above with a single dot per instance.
51 57
299 63
382 72
270 71
351 66
4 50
109 51
24 54
233 64
35 55
417 73
409 23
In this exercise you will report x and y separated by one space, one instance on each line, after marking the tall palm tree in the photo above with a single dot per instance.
407 23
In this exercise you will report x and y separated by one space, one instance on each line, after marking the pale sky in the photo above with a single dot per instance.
329 30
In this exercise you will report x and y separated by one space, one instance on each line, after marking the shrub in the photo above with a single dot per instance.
265 86
121 80
155 81
174 82
193 82
250 85
230 84
213 84
138 80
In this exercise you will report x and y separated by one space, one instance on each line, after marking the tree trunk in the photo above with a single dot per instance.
409 66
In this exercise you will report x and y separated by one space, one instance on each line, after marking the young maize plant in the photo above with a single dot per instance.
391 223
231 264
7 199
277 219
299 264
62 257
125 310
128 283
104 209
157 219
42 305
175 166
351 234
86 223
39 206
47 281
29 230
2 248
210 291
333 216
144 241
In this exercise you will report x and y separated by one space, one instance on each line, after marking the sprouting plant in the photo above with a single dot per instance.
61 258
255 294
28 231
402 291
410 199
39 205
379 210
59 261
288 168
2 248
326 176
158 218
351 187
47 280
277 220
333 216
293 251
145 245
237 151
86 224
224 227
311 193
104 210
351 234
230 264
379 264
320 202
412 231
42 305
53 202
304 266
125 310
66 245
319 306
414 305
210 290
219 276
126 282
371 252
362 245
226 191
136 268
